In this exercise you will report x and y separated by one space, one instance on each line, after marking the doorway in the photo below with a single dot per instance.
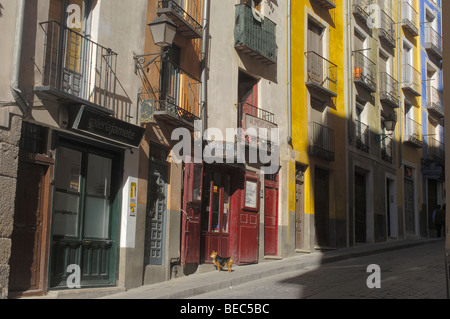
271 215
360 208
27 258
322 207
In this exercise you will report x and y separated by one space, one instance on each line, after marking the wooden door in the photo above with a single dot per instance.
25 263
322 207
410 216
299 214
360 209
156 214
248 221
270 221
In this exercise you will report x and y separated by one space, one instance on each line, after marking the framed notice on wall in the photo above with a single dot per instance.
251 195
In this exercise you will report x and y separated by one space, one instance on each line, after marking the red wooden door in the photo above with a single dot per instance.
270 221
191 221
248 221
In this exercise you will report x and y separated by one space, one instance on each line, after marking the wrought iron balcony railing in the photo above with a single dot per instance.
387 150
436 150
78 70
360 9
321 141
250 116
321 76
255 35
410 18
412 80
326 4
386 30
364 71
174 95
433 41
413 133
185 16
389 90
435 103
362 134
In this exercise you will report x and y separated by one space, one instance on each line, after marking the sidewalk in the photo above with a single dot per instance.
190 286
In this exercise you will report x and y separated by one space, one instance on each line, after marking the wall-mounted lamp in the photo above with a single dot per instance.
389 125
163 31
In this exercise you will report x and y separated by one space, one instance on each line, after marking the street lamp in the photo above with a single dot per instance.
389 125
163 31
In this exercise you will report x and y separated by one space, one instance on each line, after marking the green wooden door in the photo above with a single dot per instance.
84 220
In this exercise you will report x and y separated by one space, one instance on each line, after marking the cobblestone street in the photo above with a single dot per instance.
413 273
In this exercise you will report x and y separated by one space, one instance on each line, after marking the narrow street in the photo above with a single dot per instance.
413 273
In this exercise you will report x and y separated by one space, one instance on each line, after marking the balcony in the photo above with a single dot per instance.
255 35
412 80
321 76
360 9
321 141
413 133
436 151
77 70
389 90
172 95
361 134
435 105
364 72
410 19
433 42
386 30
387 150
261 121
186 18
325 4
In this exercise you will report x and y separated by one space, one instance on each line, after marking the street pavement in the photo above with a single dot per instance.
316 275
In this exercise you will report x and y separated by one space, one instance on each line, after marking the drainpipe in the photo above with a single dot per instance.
350 69
203 98
289 71
17 55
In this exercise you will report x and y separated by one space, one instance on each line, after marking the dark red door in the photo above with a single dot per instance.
191 221
270 222
248 221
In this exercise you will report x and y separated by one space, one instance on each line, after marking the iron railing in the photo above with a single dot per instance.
364 71
362 134
413 132
386 30
78 66
389 90
171 92
433 41
255 35
410 18
412 80
321 73
326 4
435 103
436 150
190 11
387 150
360 9
321 141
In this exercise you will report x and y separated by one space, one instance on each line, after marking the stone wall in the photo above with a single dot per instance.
9 151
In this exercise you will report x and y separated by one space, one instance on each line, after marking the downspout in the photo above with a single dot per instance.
17 55
203 98
350 69
289 73
400 80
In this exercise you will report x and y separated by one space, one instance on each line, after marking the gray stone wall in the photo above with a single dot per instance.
9 153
